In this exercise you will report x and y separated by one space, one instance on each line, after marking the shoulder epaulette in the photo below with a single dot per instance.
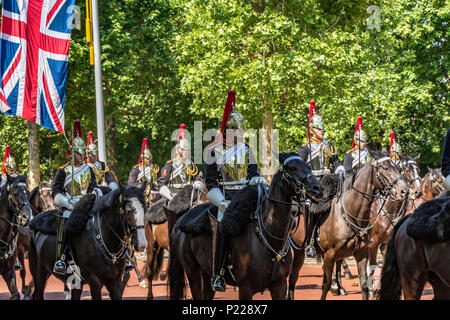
350 150
168 161
306 143
64 165
136 166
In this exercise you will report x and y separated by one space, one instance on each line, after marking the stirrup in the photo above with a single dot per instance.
218 283
60 267
129 267
18 266
310 251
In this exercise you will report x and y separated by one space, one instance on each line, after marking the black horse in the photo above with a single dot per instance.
100 231
15 211
260 250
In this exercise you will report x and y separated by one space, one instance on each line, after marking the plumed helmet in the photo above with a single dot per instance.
395 147
231 119
314 120
91 146
359 132
145 151
9 164
78 143
183 143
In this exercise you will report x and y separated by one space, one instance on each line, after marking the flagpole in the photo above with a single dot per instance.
98 84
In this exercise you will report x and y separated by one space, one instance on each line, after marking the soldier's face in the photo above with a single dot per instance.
79 158
360 144
317 133
146 161
92 158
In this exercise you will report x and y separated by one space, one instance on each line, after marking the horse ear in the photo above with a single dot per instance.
417 157
429 169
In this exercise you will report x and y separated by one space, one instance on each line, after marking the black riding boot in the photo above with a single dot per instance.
60 266
218 281
310 251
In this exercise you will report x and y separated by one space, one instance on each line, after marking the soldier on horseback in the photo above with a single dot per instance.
229 166
9 167
101 170
72 181
145 170
395 151
180 170
321 155
358 156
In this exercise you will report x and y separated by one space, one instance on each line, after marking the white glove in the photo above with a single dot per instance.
340 170
257 180
198 185
165 192
446 183
61 201
215 196
113 186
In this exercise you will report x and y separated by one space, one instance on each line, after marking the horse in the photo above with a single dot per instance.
345 231
431 188
419 252
101 231
260 250
15 211
390 214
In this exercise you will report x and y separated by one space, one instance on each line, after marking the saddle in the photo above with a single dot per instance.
430 222
76 222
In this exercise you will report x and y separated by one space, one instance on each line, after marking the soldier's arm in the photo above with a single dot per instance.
108 176
211 178
304 152
348 161
93 182
164 178
252 166
58 182
133 177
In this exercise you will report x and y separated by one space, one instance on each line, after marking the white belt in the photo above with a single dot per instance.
178 185
234 185
320 172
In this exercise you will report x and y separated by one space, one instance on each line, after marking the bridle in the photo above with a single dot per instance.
300 195
8 247
127 230
416 178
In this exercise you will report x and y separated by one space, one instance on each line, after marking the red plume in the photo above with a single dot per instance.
7 153
77 129
358 126
182 128
144 146
392 141
312 111
229 106
90 138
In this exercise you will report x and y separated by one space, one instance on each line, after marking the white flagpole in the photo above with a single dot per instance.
98 85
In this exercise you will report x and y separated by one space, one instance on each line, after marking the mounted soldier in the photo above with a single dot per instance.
72 181
359 155
321 155
103 175
229 166
9 167
145 170
180 170
395 150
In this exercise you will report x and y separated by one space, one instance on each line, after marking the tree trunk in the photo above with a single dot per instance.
112 146
34 175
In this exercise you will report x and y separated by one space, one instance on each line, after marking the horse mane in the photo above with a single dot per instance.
133 192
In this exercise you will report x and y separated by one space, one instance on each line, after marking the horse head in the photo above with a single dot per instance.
133 205
435 180
298 175
388 178
410 170
18 196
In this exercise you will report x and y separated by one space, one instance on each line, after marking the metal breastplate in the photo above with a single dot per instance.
81 180
320 156
232 164
146 173
358 162
179 176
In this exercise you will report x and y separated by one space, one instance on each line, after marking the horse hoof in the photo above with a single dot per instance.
343 292
347 275
334 290
371 294
236 288
163 276
143 284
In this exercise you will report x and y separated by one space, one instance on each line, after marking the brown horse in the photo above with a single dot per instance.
431 188
345 231
260 251
384 222
410 262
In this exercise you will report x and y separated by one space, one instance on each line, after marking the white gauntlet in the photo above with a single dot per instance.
215 196
198 185
446 183
165 192
61 201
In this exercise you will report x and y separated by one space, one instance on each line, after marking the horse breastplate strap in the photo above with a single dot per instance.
232 163
81 179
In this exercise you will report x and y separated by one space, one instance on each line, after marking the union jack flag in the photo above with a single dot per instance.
34 52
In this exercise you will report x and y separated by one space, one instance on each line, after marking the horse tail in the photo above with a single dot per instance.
390 287
177 282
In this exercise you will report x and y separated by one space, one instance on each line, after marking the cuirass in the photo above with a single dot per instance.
232 162
320 155
99 173
80 182
358 162
179 175
146 173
